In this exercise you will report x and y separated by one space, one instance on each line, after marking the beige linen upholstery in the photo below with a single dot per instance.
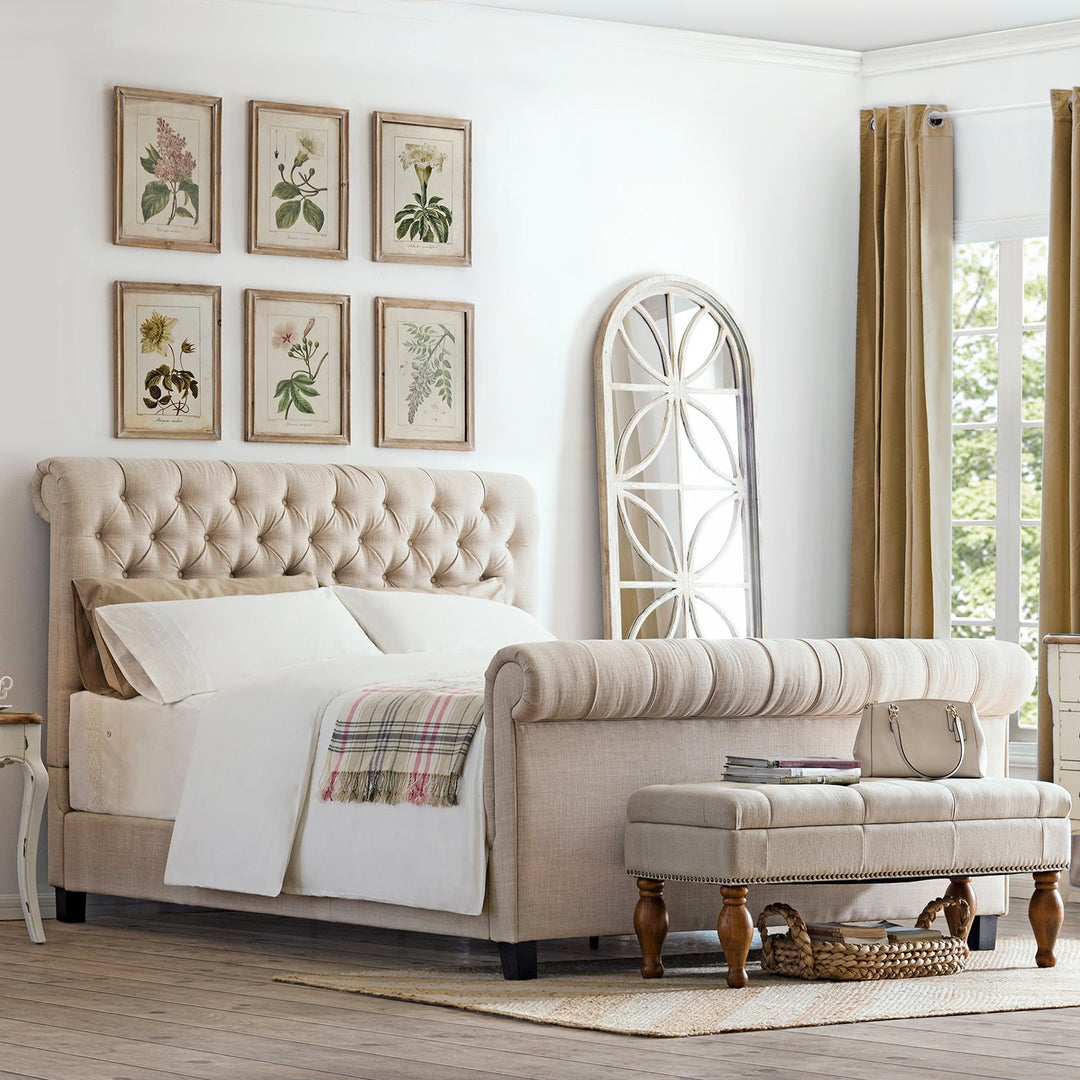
739 834
574 728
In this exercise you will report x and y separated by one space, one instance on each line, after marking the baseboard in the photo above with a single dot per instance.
11 905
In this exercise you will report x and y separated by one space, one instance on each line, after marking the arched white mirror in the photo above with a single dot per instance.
675 453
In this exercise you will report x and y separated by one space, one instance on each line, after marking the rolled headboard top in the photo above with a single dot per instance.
355 525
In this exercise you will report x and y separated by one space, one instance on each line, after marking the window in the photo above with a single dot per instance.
999 350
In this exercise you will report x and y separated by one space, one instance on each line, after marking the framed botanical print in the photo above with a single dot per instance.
168 343
424 394
422 189
297 367
298 181
167 170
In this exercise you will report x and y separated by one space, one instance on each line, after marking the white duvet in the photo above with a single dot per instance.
250 818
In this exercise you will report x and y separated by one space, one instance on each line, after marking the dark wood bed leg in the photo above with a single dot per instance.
594 942
518 960
735 929
960 889
1045 912
982 937
70 906
651 926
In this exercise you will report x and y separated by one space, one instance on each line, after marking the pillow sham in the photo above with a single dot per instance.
97 670
492 588
399 621
170 650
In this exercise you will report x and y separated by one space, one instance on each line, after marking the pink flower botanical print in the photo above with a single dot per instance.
300 385
172 166
284 336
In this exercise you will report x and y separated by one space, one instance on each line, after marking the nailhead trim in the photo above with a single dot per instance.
911 875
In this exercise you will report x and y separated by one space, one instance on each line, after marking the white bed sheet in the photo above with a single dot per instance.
129 756
250 818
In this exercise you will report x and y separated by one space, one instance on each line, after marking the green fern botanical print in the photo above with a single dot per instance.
430 365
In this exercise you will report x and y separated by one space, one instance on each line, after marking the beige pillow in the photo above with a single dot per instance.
97 668
491 588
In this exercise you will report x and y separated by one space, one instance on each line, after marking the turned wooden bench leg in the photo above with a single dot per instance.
1045 912
735 929
959 889
651 925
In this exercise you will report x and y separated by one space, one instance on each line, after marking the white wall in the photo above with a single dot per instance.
601 154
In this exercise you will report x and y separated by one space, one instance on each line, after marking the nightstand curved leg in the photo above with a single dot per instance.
35 789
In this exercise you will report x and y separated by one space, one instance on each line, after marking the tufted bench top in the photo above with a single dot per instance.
875 800
879 829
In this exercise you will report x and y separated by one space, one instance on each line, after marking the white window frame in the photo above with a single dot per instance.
1009 234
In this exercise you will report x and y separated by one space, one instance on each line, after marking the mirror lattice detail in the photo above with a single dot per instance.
676 466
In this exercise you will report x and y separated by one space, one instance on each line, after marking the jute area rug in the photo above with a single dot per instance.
694 1000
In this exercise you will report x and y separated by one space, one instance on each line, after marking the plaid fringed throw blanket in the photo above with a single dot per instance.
394 743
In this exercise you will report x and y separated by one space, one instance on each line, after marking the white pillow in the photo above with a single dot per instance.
399 621
169 650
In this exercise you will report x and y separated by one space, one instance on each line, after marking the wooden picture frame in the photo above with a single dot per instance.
166 170
298 180
297 369
168 369
424 390
432 225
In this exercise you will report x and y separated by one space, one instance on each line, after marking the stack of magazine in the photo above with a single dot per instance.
806 770
870 933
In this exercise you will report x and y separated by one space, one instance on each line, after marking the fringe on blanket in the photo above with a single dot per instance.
390 787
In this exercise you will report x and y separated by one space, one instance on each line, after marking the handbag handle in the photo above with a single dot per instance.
952 722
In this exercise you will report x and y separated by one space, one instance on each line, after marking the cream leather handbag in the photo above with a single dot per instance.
921 737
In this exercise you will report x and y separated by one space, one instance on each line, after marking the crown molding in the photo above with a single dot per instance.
633 37
1028 39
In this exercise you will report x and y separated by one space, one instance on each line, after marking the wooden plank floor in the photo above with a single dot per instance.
189 994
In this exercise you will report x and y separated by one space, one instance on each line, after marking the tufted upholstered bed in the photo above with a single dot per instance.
572 727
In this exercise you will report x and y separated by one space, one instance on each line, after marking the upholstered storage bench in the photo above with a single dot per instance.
735 835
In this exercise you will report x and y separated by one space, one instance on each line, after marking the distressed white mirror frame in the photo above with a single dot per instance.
677 474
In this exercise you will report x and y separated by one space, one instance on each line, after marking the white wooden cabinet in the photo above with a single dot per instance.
1063 686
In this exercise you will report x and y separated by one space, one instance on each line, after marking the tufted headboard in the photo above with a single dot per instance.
347 524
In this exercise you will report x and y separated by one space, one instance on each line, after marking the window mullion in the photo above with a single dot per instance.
1010 344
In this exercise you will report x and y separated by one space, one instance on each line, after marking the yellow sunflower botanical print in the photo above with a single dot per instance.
170 388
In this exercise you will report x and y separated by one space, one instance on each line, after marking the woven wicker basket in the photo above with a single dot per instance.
795 954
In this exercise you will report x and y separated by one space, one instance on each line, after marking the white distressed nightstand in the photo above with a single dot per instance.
1063 687
20 744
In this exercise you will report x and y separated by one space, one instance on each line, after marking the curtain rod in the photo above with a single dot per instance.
937 115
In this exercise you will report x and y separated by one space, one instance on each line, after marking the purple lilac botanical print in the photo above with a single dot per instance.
172 166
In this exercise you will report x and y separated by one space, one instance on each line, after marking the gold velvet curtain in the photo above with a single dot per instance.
901 502
1059 578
